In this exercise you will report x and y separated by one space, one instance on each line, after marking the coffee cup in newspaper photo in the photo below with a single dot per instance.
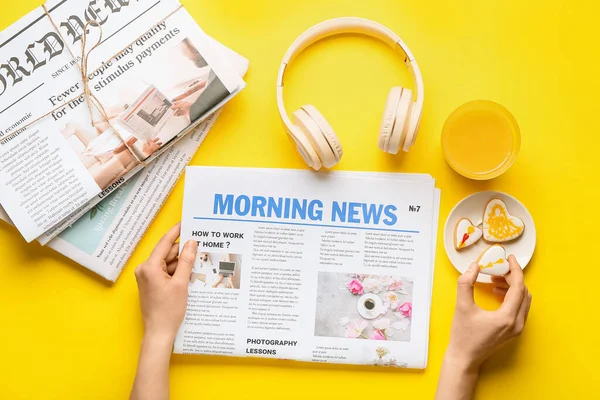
360 306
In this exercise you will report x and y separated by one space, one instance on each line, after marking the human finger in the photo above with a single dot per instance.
516 291
163 247
186 261
499 281
515 274
522 313
500 291
172 266
528 306
464 294
172 253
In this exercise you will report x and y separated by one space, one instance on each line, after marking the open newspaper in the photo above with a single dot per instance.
104 238
153 77
330 267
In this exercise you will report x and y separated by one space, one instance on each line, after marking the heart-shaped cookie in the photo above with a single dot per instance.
498 225
466 234
493 261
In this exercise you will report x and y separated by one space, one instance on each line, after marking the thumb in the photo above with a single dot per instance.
186 261
464 295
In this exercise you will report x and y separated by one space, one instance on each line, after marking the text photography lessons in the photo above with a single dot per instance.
301 265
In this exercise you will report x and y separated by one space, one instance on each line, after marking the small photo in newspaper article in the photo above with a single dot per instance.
217 271
146 109
99 149
360 306
164 94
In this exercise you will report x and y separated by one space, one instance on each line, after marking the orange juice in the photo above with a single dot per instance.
481 139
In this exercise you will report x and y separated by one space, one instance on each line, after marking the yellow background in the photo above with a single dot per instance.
66 334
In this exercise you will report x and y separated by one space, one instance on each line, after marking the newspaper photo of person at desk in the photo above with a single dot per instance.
216 271
175 98
167 100
170 92
201 94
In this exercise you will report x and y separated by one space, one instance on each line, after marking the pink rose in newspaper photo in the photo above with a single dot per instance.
363 308
391 300
377 335
355 328
355 286
406 309
394 284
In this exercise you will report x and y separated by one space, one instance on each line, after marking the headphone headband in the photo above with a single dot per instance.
345 25
357 25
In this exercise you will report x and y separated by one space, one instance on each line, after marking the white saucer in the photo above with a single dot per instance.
472 207
364 311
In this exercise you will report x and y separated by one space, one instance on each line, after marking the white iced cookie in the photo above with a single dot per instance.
466 234
493 261
498 225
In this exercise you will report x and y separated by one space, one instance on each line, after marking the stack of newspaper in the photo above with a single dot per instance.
332 267
69 162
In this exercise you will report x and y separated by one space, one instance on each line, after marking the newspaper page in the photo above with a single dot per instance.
155 76
235 61
106 236
318 267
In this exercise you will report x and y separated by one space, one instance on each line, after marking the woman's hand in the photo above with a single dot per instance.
476 334
192 89
182 108
151 145
163 285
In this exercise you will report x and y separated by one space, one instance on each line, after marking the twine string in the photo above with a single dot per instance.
90 97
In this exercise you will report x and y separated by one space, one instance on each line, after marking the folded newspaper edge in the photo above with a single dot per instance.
103 239
154 76
319 275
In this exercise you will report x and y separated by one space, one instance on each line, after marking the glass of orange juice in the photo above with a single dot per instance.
481 140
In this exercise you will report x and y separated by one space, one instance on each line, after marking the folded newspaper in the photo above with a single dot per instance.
105 237
330 267
153 75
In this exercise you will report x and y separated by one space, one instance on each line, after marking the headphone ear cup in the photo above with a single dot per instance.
304 147
334 143
312 131
389 116
400 123
413 127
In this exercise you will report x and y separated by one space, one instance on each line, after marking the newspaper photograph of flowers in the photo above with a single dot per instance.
363 306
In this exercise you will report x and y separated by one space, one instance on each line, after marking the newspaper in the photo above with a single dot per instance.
104 238
320 267
155 75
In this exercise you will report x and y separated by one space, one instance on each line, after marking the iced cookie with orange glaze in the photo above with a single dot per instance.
466 234
493 261
498 225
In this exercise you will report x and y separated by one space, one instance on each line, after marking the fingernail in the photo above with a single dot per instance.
191 243
473 266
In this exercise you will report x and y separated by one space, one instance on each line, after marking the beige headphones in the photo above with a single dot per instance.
314 137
